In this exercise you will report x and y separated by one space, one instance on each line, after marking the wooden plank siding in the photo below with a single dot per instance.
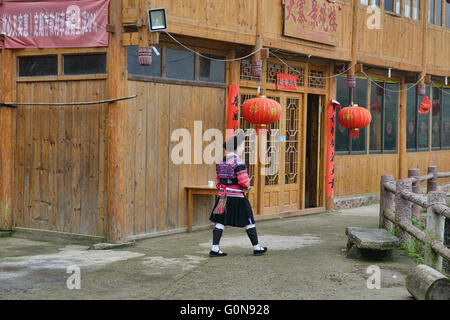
60 153
155 198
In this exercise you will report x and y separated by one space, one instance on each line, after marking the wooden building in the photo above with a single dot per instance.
104 171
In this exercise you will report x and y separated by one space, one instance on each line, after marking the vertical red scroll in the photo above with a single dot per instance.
331 123
233 109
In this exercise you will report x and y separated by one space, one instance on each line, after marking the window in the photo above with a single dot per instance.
440 130
372 2
435 12
431 11
389 5
384 110
438 12
179 64
360 98
212 70
417 125
408 8
135 68
35 66
416 8
76 64
447 14
446 118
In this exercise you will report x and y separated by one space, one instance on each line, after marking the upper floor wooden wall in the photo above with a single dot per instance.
398 44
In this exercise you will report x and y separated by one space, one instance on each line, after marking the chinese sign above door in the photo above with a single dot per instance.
313 20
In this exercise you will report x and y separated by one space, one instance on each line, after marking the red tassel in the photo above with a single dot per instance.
145 56
354 133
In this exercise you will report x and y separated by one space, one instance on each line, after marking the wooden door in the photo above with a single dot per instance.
280 189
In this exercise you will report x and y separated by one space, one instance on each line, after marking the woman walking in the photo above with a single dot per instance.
233 208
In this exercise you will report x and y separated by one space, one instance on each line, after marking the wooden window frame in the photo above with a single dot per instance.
60 74
352 152
383 107
195 82
430 121
441 119
443 17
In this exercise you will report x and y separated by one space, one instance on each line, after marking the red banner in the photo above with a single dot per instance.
233 109
286 82
54 24
331 126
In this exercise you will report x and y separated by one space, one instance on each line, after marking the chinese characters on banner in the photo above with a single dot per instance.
313 20
286 82
331 126
51 24
233 109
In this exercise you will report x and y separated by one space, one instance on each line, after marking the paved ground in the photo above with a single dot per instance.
306 260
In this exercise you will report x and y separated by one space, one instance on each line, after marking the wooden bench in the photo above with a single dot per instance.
378 241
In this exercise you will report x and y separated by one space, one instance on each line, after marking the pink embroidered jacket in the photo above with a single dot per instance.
232 176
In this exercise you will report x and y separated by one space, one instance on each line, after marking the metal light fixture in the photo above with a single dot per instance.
389 72
446 80
157 19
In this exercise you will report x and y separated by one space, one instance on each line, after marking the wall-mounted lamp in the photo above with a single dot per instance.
446 80
157 19
389 72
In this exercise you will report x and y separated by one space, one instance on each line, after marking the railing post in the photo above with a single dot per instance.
435 229
415 173
432 183
386 201
402 211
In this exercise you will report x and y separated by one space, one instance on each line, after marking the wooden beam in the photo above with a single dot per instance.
7 141
117 119
402 159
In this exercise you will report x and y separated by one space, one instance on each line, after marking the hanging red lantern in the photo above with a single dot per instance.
425 106
261 111
145 56
354 118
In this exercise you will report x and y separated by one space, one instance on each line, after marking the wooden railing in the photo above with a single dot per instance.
401 201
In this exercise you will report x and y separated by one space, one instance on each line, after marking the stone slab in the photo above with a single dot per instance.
371 238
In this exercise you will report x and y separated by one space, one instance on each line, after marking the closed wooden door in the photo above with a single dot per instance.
280 186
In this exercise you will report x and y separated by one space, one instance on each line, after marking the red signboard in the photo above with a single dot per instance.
54 24
286 82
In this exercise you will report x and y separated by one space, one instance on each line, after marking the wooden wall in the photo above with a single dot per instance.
60 158
360 174
401 48
155 198
231 20
422 160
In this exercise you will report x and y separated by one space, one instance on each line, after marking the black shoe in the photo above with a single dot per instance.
260 252
213 254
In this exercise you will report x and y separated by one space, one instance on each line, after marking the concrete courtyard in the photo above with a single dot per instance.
306 260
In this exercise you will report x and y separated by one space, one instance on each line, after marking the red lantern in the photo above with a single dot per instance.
261 111
354 118
145 56
425 106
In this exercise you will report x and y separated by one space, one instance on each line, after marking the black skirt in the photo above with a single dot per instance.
238 213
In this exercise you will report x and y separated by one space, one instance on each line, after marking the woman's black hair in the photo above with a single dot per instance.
234 142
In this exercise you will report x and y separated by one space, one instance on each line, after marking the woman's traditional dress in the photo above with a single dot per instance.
233 179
